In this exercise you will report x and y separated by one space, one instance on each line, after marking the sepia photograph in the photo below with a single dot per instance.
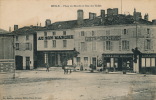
77 50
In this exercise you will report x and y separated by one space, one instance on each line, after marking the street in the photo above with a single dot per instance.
80 85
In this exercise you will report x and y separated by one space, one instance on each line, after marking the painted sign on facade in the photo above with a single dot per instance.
103 38
55 37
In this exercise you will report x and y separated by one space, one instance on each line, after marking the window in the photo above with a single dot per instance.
93 46
45 33
85 61
17 46
27 37
45 44
82 33
54 43
64 43
104 46
93 33
148 31
45 58
64 32
27 46
125 45
78 61
147 44
83 46
108 45
125 31
16 38
108 32
54 33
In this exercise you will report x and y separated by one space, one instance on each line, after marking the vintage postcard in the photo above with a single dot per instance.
77 50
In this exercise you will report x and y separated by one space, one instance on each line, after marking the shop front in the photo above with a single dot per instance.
55 58
148 63
118 61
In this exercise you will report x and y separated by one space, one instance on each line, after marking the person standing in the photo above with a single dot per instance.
47 66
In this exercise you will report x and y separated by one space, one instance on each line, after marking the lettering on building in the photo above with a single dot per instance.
55 37
103 38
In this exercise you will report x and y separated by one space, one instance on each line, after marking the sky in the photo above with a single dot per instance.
31 12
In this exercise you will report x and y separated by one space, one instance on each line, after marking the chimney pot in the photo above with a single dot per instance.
15 27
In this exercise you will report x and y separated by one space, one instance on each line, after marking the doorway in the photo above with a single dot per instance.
27 63
19 62
94 62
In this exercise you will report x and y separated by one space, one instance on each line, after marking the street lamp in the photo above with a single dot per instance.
14 56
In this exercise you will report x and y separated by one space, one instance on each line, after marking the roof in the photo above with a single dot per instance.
111 20
26 30
97 21
3 31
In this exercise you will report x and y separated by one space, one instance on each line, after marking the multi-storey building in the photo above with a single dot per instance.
113 45
106 40
25 43
6 51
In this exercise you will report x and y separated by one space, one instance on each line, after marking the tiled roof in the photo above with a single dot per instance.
27 30
111 20
3 31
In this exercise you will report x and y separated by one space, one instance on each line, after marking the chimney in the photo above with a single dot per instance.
102 16
154 21
109 12
94 15
115 11
9 29
90 15
47 22
146 17
102 13
15 27
80 17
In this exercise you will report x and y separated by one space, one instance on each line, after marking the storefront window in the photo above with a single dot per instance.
153 62
143 62
85 61
78 61
147 62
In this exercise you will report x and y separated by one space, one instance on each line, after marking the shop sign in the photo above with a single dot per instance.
111 55
148 55
55 37
103 38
